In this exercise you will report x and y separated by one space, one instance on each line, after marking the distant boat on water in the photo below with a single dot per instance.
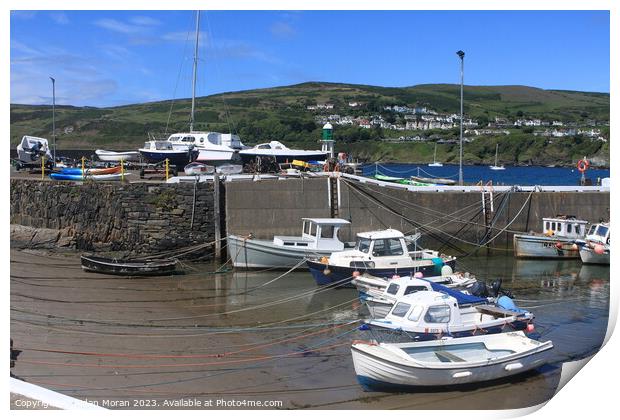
495 167
435 163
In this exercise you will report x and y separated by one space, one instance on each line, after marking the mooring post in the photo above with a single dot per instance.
42 168
216 216
122 171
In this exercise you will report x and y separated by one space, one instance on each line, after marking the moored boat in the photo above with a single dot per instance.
111 156
280 152
381 253
319 237
557 240
130 267
155 151
447 362
31 149
596 247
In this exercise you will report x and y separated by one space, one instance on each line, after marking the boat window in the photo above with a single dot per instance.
393 288
387 247
438 314
174 138
569 228
202 140
412 289
363 245
306 227
289 243
189 139
552 225
415 313
602 230
147 145
592 229
263 146
401 309
578 229
327 232
547 226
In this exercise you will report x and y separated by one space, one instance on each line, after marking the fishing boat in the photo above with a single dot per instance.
448 361
31 149
155 151
131 267
319 237
557 239
382 253
110 156
280 152
495 167
62 176
425 315
196 168
596 247
435 163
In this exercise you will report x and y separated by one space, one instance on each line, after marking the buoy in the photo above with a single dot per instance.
324 260
530 328
327 271
575 247
418 275
599 249
446 270
356 273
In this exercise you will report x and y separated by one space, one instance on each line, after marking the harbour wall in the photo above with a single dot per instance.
450 220
137 217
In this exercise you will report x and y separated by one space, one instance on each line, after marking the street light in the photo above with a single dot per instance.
461 54
54 119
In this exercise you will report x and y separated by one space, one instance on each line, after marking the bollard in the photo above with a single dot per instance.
167 169
83 171
42 168
122 171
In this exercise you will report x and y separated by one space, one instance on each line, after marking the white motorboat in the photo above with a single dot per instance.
155 151
319 237
557 239
31 149
382 253
426 315
280 153
495 167
110 156
447 362
196 168
596 247
229 169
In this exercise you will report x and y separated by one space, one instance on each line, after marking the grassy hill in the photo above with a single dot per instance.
280 113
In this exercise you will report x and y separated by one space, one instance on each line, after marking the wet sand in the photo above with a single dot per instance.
240 339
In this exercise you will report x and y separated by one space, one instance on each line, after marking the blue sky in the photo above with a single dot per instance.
108 58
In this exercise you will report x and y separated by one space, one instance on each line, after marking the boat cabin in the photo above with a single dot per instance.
400 287
317 233
565 226
201 139
31 148
425 309
599 233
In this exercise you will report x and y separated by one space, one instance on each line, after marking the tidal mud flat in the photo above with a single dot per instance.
258 340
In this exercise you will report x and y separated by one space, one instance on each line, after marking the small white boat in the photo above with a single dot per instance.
281 153
596 247
196 168
435 163
557 239
31 149
448 361
110 156
229 169
425 315
319 237
495 167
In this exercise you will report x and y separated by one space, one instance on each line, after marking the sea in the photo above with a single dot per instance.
472 174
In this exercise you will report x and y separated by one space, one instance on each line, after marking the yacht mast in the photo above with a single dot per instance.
191 120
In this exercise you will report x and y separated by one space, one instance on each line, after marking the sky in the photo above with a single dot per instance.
110 58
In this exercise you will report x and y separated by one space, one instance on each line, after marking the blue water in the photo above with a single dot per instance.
512 175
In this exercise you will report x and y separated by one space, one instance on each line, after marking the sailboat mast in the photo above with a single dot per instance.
191 120
496 148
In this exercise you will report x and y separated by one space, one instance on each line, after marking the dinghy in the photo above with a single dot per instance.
196 168
447 362
110 156
135 267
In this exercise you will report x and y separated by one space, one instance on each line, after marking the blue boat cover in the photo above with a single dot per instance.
461 298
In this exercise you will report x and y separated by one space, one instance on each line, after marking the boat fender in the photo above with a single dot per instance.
364 327
446 271
327 271
558 245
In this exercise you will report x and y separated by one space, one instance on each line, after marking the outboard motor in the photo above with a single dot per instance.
496 286
479 289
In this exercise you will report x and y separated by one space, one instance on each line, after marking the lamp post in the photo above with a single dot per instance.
461 55
53 120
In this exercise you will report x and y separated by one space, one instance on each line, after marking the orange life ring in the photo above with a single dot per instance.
583 165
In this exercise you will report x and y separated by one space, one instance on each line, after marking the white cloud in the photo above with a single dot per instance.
185 36
282 30
60 18
144 21
23 14
118 26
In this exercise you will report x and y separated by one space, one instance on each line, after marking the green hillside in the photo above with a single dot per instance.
280 114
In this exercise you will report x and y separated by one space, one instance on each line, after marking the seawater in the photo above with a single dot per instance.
512 175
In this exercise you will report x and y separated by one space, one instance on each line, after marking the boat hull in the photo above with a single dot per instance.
533 246
375 369
76 177
128 267
588 256
178 158
327 274
215 156
282 158
256 253
109 156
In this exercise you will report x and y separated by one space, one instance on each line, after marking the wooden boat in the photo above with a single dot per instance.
556 241
110 156
319 237
447 362
134 267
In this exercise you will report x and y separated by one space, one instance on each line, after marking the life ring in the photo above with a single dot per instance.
583 165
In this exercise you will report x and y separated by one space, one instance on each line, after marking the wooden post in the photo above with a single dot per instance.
83 171
167 169
216 216
42 168
122 171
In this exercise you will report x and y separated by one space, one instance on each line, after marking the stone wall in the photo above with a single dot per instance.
138 217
